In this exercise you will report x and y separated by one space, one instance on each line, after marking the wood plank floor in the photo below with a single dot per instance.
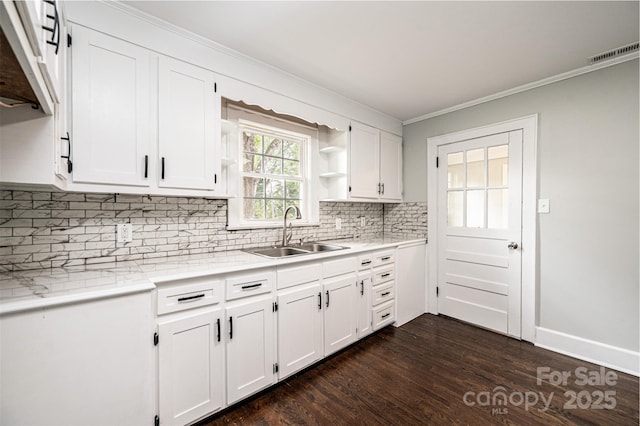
420 373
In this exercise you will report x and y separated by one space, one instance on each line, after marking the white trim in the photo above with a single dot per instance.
529 126
610 356
525 87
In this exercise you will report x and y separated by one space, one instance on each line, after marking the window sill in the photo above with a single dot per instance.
240 227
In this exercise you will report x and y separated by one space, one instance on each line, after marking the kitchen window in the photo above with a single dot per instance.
275 171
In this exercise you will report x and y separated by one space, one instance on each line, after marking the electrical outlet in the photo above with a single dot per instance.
363 221
124 232
543 205
338 223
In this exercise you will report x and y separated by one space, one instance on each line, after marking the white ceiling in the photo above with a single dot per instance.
408 59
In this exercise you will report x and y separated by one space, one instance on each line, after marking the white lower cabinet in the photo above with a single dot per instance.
339 312
363 302
191 367
250 347
300 328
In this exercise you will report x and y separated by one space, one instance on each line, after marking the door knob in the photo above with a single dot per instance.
513 245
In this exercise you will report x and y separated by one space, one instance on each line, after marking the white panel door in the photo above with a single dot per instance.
340 312
191 367
364 161
390 167
110 89
188 112
363 301
479 231
299 328
250 347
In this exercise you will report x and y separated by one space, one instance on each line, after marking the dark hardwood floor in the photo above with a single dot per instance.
420 374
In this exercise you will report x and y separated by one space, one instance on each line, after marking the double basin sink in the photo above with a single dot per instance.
308 248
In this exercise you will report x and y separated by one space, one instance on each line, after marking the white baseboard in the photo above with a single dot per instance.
614 357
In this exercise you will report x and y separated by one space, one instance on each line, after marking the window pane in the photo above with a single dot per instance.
498 165
291 149
252 142
273 165
475 168
252 163
253 187
293 189
475 209
291 168
275 188
454 208
253 209
275 209
272 146
455 171
497 205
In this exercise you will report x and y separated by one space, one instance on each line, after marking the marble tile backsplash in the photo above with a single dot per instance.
406 220
56 229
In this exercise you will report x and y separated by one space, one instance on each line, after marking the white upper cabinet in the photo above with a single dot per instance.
188 116
390 167
375 164
111 84
364 160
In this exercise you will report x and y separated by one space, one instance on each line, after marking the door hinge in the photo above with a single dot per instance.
68 40
275 306
437 291
349 127
437 162
156 421
215 87
156 339
275 368
349 188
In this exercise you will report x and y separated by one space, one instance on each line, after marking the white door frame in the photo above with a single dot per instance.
529 126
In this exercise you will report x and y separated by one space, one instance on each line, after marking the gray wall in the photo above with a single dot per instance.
588 165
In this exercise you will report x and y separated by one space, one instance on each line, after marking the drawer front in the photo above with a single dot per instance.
384 258
188 296
383 315
250 284
290 276
383 274
365 261
345 265
383 293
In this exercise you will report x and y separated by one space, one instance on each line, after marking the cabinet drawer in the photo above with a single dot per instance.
345 265
250 284
365 261
383 293
384 257
384 274
294 275
383 315
181 297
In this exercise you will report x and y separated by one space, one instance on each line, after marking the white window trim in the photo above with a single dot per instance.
257 121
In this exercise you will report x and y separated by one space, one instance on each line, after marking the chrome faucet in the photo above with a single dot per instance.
285 237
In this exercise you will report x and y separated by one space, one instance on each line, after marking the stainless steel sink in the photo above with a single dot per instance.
308 248
320 247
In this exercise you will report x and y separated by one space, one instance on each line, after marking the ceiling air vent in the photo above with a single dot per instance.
629 48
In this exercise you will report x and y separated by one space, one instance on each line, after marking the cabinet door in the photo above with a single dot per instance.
390 167
410 282
339 312
363 297
364 161
191 367
299 328
250 348
110 86
188 113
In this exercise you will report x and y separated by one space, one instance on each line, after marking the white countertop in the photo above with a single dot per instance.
23 290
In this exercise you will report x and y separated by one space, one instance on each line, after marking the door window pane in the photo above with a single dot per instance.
498 165
475 168
475 209
454 208
455 170
497 206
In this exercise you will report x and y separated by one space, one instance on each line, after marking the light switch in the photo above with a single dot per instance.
543 205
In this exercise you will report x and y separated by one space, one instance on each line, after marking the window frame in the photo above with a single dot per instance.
274 126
